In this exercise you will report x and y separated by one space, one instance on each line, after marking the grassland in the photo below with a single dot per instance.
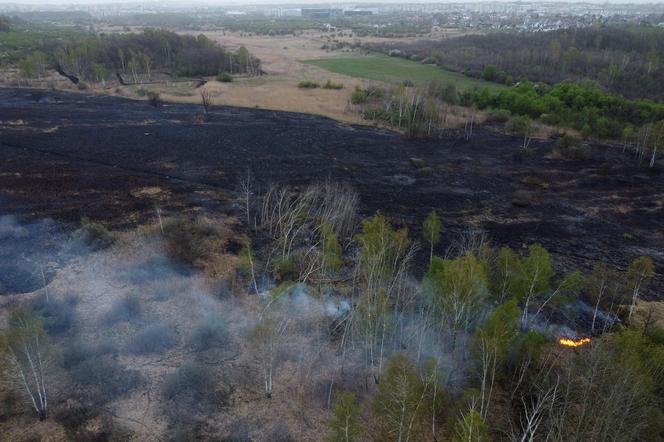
395 70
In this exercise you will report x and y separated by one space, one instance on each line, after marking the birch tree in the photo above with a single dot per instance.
639 274
431 231
28 359
345 425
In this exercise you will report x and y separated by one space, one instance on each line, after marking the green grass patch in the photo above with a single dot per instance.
396 70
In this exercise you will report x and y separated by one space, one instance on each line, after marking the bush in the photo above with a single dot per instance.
519 125
285 268
142 92
57 315
224 77
498 116
359 96
124 309
522 198
306 84
73 414
209 333
107 376
192 241
330 85
154 338
571 148
93 235
190 382
79 351
154 99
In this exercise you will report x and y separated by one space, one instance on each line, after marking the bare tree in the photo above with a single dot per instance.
266 339
206 100
28 359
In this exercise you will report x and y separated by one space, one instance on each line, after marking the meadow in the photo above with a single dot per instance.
396 70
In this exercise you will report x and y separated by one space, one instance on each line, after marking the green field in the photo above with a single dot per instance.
395 70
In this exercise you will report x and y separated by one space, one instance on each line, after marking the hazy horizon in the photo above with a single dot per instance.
326 2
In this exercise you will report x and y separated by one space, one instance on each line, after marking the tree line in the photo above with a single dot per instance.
625 60
137 56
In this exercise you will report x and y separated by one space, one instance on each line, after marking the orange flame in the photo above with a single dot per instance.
572 343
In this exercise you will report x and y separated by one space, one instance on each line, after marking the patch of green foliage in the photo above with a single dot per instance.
582 106
307 84
396 70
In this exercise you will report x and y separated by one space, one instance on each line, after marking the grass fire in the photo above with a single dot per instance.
296 224
567 342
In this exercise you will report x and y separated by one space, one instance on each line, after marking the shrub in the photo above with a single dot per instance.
359 96
522 198
78 351
192 241
141 92
498 116
374 113
125 309
57 315
107 376
571 148
209 333
154 338
224 77
519 125
306 84
73 414
331 85
190 382
285 268
154 99
93 235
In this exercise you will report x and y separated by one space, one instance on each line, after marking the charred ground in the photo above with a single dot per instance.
67 156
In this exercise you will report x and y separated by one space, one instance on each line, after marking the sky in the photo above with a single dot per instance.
254 2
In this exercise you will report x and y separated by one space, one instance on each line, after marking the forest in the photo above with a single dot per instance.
623 60
138 56
321 310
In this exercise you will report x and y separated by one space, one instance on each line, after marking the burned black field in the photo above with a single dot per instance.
66 156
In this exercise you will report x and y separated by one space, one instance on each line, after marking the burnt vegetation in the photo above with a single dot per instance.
315 281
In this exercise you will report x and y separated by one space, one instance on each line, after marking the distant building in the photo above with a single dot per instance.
321 12
356 12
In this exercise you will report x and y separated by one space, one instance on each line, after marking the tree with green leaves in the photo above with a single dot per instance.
5 24
406 402
601 287
101 73
431 231
380 272
471 427
491 344
330 249
266 339
457 288
345 425
530 277
522 125
27 69
639 274
28 359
